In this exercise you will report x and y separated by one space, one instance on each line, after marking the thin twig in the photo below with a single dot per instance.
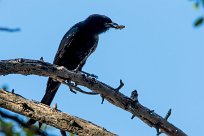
168 114
9 29
166 118
120 86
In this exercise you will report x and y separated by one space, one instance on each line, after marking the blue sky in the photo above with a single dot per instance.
159 53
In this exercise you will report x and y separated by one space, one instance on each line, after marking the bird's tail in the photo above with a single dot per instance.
52 87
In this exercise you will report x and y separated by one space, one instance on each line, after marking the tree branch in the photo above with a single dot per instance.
36 67
9 29
50 116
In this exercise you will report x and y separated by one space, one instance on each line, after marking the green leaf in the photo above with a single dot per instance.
198 22
196 5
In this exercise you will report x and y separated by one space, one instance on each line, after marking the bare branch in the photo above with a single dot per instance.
168 114
9 29
50 116
28 67
120 86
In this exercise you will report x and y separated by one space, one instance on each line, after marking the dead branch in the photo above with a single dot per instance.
36 67
50 116
9 29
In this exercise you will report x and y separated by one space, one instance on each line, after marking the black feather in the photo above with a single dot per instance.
75 47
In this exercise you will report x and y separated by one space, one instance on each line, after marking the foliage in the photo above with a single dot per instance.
10 128
198 4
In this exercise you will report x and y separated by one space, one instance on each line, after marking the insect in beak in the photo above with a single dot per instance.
114 25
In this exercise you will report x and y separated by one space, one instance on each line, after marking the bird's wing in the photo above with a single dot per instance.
94 47
65 43
88 54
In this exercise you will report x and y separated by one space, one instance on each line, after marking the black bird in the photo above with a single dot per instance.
76 46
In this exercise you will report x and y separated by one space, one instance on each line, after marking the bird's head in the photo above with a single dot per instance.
100 23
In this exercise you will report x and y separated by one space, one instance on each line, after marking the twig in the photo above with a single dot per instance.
89 75
134 97
120 86
103 98
168 115
41 59
166 118
63 133
12 91
9 29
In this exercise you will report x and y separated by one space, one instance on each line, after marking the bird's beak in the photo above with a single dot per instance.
114 25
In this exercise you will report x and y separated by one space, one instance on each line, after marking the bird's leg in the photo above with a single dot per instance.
67 82
73 86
